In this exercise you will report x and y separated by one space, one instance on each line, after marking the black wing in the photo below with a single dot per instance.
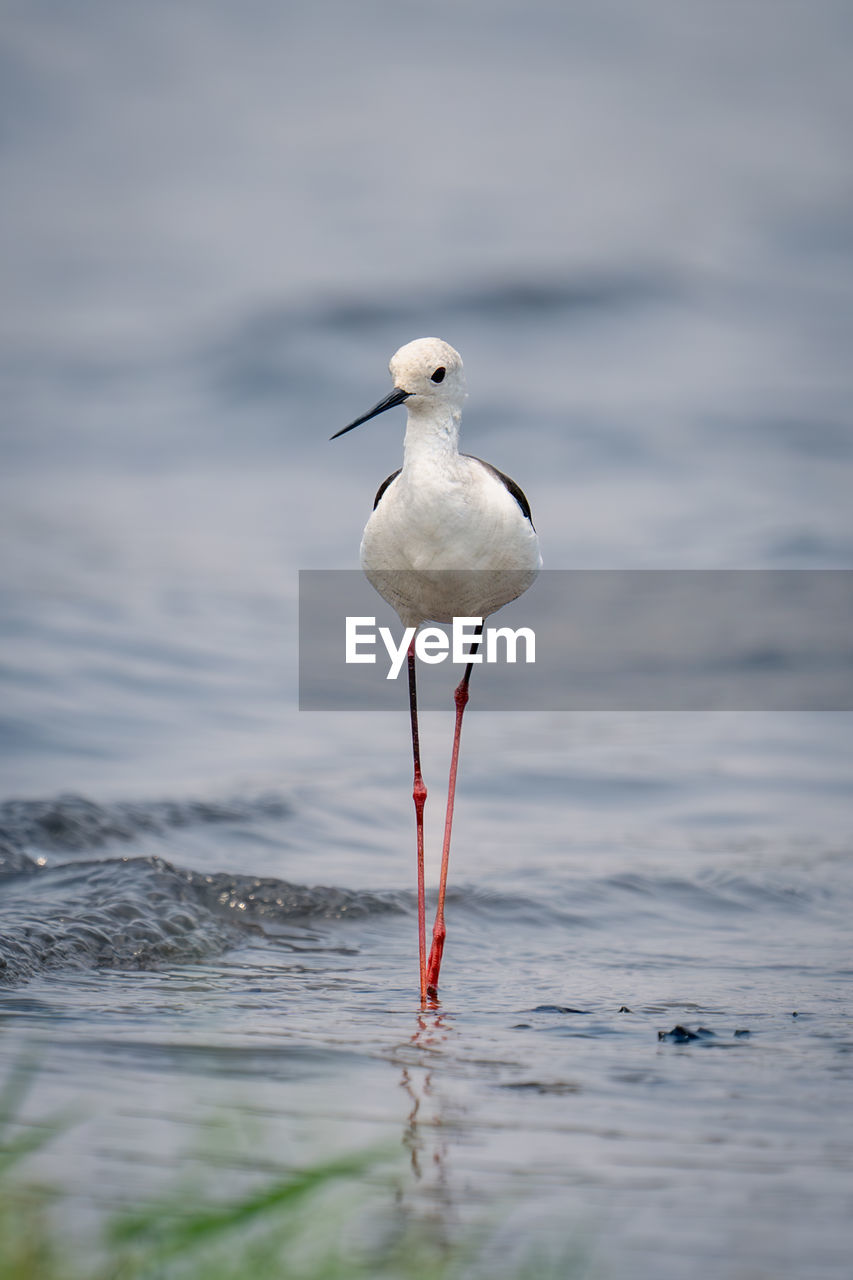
508 483
384 485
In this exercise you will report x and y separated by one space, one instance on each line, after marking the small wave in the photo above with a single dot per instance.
139 913
522 296
514 299
71 823
118 913
272 900
269 353
603 902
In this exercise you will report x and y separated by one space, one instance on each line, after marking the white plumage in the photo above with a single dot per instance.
444 510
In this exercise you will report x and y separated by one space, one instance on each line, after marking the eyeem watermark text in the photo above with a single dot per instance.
433 645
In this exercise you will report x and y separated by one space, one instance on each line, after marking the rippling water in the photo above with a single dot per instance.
219 228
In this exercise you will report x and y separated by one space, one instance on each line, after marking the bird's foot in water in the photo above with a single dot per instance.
434 965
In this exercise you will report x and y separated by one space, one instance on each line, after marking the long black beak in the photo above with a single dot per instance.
396 397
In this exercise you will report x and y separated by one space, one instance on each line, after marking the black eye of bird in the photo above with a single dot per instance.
438 376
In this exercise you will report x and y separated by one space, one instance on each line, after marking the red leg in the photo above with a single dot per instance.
419 795
439 932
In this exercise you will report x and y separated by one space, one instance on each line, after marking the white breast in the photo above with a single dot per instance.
449 541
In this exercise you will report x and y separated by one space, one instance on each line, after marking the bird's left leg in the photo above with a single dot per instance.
419 795
439 931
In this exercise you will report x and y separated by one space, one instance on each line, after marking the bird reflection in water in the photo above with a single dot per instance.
428 1202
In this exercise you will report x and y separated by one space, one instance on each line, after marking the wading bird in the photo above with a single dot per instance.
450 536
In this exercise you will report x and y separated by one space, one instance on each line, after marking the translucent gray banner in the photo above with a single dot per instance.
602 640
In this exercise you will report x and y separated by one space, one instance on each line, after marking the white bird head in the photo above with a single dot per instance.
427 374
429 369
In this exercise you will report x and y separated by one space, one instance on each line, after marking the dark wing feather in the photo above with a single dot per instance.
508 483
384 485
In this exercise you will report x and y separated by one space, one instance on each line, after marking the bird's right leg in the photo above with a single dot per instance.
439 932
419 795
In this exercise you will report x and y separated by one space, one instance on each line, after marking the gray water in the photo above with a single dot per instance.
219 222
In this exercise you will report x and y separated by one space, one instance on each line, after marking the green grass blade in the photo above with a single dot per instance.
194 1229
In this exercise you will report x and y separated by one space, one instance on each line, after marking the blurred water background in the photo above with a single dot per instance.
218 222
